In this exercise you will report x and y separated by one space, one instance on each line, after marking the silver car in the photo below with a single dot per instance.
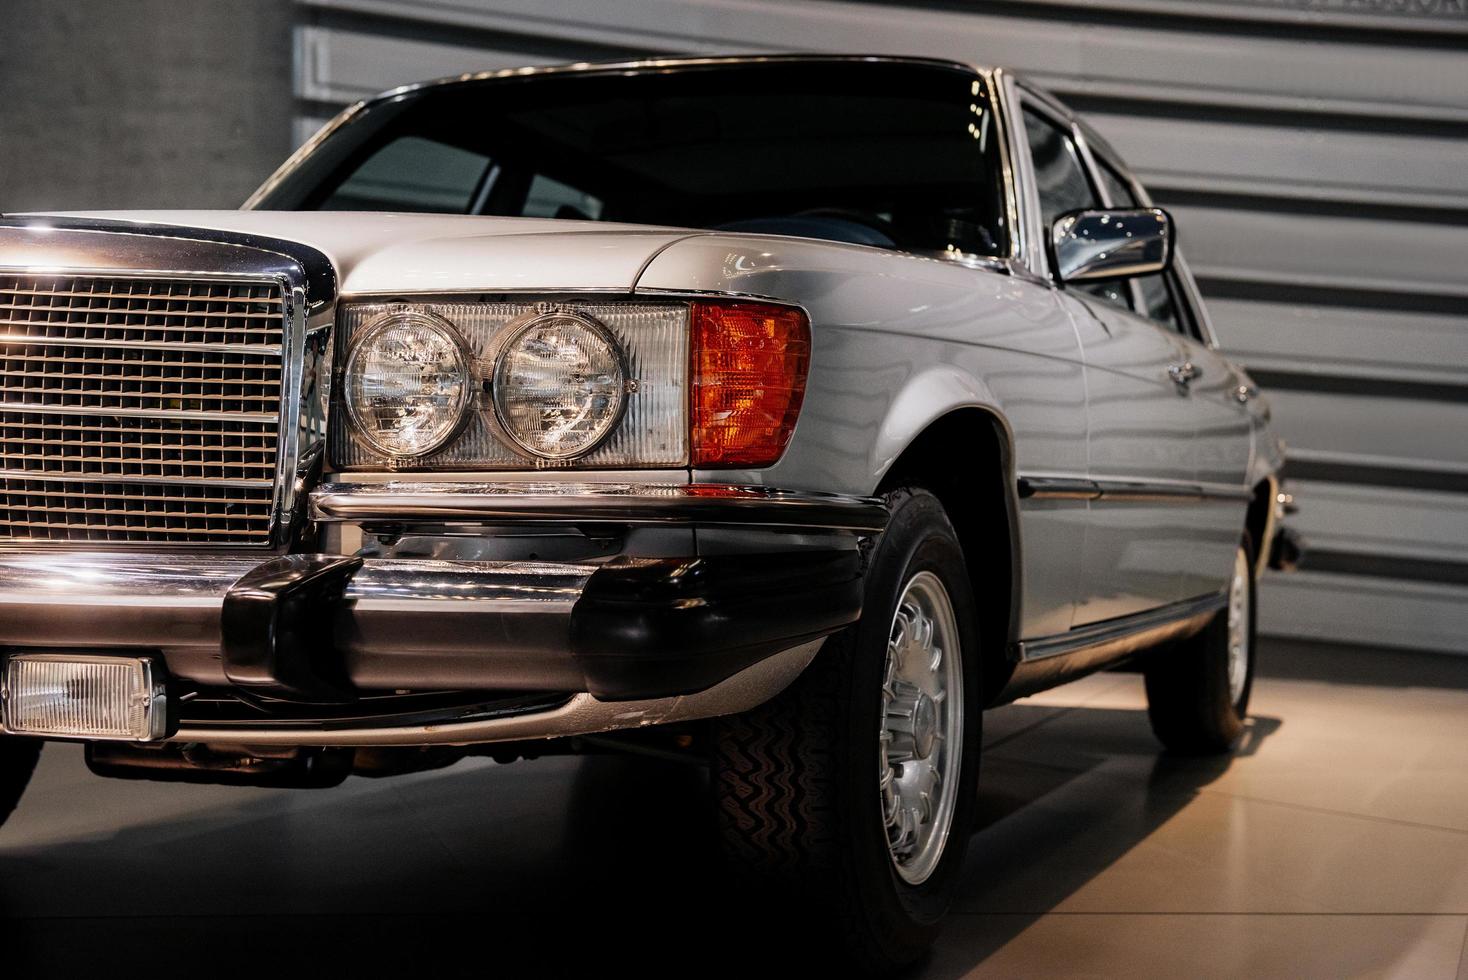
786 412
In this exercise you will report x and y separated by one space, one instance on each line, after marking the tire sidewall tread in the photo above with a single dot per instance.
796 779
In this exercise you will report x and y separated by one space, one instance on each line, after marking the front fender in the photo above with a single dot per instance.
927 396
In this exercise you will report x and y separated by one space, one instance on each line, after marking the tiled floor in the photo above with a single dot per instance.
1334 845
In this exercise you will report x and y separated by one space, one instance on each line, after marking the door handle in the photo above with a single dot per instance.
1182 374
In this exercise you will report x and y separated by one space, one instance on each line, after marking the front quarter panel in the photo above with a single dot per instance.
900 341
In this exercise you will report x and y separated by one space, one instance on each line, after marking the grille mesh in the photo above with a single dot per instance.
138 409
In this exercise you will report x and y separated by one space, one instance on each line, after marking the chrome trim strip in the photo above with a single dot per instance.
1026 235
264 350
96 600
583 503
41 476
655 478
1125 634
1056 487
1139 491
584 714
662 64
302 152
138 413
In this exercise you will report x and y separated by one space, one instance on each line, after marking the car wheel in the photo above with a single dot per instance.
1198 690
17 761
853 791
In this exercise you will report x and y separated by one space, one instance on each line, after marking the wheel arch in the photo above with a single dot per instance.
1260 521
976 496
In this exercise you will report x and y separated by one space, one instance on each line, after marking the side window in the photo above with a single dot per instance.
1157 302
1157 291
549 198
1059 176
1117 189
412 174
1061 182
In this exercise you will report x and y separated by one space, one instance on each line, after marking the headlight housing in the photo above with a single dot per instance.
560 384
407 383
453 385
505 426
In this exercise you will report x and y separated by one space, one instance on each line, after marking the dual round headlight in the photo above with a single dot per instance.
559 384
408 383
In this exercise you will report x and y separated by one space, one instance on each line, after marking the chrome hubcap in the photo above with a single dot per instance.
921 734
1238 628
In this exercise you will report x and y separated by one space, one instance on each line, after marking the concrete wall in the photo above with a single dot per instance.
141 103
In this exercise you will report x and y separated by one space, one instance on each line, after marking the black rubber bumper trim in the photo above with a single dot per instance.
642 628
276 627
667 627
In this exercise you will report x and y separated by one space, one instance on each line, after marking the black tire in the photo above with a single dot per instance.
1189 701
18 758
796 780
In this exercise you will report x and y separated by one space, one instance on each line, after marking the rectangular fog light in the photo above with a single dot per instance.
76 696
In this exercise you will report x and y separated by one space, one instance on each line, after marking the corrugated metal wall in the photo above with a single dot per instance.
1315 153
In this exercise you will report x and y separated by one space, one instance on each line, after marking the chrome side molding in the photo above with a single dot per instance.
1131 491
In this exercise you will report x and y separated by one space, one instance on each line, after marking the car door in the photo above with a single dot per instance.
1140 423
1217 400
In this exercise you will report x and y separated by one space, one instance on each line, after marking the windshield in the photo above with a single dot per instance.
889 154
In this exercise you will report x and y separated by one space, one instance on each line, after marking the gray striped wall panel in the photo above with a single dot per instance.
1272 66
343 66
1437 17
1364 610
1383 521
1415 432
1313 153
1343 341
1220 157
1360 253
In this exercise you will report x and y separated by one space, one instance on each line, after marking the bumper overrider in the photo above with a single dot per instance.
367 649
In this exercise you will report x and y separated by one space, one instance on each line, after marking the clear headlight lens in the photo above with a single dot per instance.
649 345
407 383
560 384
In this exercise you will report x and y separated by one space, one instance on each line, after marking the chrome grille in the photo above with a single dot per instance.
142 410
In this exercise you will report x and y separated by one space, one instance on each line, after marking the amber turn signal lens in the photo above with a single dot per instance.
749 366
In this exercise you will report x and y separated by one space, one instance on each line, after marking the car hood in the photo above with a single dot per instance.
407 253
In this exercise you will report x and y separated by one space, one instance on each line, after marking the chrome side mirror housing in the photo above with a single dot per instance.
1087 246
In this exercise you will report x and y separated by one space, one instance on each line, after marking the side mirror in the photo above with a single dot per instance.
1090 245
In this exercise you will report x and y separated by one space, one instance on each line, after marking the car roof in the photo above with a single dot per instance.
673 63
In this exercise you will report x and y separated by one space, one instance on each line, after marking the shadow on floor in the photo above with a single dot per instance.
606 863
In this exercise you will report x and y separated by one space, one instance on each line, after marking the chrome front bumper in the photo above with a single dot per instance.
174 605
624 642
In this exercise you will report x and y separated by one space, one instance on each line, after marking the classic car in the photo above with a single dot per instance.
786 412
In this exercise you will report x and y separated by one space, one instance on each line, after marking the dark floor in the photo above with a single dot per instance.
1334 845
